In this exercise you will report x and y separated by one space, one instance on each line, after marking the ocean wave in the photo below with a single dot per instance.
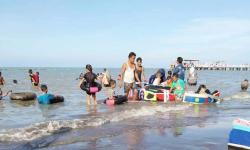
41 129
238 96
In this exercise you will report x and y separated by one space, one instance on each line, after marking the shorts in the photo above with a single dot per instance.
128 87
35 84
138 86
179 96
90 94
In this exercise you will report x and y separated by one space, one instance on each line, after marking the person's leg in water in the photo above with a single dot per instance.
135 95
88 98
136 92
94 99
126 89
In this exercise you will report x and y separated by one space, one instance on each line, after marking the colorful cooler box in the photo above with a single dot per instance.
156 96
197 98
240 135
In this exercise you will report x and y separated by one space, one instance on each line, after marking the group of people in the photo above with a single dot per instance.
132 78
34 78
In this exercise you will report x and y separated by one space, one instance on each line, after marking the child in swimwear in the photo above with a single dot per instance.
35 79
111 91
47 98
89 79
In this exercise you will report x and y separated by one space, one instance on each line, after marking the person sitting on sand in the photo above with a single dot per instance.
178 87
244 85
2 95
1 79
48 98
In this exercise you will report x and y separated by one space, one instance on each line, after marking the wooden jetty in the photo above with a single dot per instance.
219 65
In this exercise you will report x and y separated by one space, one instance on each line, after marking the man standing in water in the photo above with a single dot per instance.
179 69
127 74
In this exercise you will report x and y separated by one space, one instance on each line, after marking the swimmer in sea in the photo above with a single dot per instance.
244 85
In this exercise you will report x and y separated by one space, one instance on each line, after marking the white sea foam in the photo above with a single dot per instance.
38 130
238 96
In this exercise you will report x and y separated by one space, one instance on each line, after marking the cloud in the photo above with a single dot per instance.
212 38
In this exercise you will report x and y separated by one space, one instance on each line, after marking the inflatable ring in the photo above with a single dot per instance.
84 86
118 100
57 99
23 96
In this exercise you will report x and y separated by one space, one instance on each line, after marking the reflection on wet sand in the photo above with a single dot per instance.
19 103
91 109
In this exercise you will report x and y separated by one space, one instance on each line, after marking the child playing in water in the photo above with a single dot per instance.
2 95
89 79
35 79
244 85
203 90
48 98
45 98
178 87
114 99
111 91
169 81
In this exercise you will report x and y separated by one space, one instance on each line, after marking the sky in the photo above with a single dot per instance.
73 33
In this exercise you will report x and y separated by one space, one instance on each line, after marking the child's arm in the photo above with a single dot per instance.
81 81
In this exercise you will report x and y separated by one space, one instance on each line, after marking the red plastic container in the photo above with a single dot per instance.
171 97
160 96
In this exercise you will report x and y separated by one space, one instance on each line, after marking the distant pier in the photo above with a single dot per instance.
219 65
222 68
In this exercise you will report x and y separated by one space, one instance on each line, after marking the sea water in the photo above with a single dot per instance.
135 125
